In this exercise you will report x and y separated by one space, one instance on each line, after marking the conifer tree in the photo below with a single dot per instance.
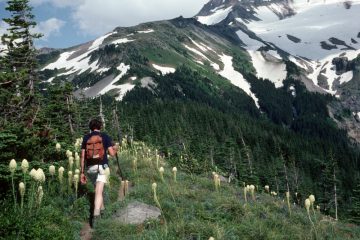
18 63
355 205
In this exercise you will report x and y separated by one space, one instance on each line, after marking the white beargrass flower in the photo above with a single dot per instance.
70 177
71 162
77 160
58 147
77 171
12 166
40 175
161 171
52 170
288 201
252 191
307 204
211 238
32 173
153 186
126 187
76 183
174 170
40 194
61 174
22 189
24 166
267 188
69 153
312 199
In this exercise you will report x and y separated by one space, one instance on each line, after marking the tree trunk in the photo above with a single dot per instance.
335 198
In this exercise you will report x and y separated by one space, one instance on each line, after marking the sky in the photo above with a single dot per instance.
66 23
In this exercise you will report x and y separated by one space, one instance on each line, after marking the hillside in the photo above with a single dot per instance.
191 207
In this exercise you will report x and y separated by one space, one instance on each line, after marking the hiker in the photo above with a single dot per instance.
94 150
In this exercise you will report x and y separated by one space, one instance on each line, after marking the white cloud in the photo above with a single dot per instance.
49 27
58 3
97 17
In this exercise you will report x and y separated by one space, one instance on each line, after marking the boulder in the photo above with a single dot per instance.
137 213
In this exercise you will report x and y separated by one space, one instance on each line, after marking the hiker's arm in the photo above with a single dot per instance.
113 150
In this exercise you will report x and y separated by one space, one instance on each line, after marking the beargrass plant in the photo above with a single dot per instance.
22 194
58 147
161 172
252 191
12 168
174 170
288 201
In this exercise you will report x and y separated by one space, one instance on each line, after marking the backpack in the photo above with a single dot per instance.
94 150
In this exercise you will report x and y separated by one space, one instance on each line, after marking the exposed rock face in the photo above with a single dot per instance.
342 65
137 213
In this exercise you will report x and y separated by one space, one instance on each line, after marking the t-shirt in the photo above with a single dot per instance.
106 142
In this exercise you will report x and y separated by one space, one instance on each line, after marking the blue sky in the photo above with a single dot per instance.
66 23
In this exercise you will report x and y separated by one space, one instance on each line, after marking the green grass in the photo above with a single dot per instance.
193 209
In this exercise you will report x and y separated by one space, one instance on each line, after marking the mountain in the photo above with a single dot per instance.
320 37
228 39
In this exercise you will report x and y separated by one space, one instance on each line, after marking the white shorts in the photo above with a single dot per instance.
96 173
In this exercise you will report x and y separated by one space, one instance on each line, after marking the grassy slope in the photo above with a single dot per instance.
193 209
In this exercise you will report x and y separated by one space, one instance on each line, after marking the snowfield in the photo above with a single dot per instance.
236 78
164 70
218 15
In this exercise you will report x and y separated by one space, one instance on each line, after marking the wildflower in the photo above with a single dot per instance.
70 175
211 238
161 171
126 187
32 173
307 204
40 194
68 153
76 183
77 160
174 170
22 193
71 162
267 188
288 201
52 170
154 185
252 191
22 189
77 171
61 174
58 147
12 166
39 176
24 166
312 199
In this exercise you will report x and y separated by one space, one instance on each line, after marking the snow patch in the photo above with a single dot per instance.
122 40
146 31
216 17
275 72
200 46
96 43
122 88
80 63
236 78
164 70
346 77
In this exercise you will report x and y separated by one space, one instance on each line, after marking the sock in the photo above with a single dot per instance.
96 212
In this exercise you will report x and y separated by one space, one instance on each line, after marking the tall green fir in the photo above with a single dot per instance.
18 64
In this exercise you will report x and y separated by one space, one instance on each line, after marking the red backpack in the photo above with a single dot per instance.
94 150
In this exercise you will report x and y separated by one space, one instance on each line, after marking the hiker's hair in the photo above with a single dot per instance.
95 124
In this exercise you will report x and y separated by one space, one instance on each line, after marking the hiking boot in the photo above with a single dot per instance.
94 221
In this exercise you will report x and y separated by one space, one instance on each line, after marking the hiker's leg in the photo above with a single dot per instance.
98 197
